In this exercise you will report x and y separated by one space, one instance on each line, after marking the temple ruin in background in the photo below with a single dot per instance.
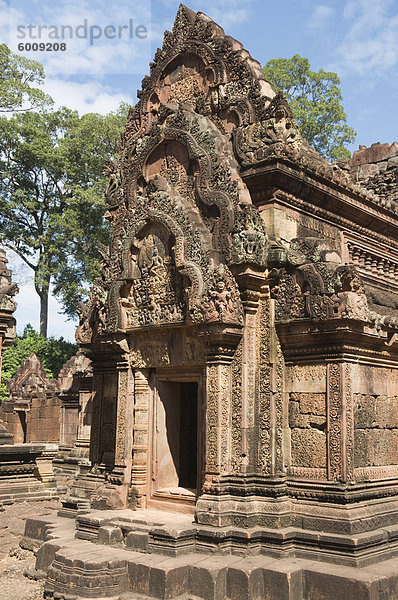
26 471
243 339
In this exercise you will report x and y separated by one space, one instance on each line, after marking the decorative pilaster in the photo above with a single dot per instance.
121 474
246 387
340 418
218 388
139 469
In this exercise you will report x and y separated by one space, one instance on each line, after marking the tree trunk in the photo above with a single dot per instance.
43 294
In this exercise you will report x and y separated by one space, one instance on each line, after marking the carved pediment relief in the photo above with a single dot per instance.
155 294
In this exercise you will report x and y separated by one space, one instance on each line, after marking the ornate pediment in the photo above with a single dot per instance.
200 66
180 214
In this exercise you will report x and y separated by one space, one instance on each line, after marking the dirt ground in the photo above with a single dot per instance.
15 562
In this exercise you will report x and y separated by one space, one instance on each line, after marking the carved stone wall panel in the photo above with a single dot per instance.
305 378
238 453
149 350
375 473
373 380
251 389
334 409
155 295
317 474
307 422
376 431
108 420
168 347
348 423
285 224
278 409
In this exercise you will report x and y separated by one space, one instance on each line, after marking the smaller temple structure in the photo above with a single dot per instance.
75 396
32 410
44 410
26 471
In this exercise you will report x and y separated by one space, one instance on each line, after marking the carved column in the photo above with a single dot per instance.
218 390
121 473
340 418
95 449
252 288
85 416
139 469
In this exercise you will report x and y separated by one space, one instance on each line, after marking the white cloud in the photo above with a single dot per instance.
320 16
102 37
370 44
90 96
7 15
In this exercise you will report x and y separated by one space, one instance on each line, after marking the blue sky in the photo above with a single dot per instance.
358 39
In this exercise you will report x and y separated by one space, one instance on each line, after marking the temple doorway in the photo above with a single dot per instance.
176 445
20 437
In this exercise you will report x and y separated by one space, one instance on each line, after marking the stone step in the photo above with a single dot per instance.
89 571
85 570
80 569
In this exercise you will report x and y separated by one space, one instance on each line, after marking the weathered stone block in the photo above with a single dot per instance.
311 402
308 448
375 447
138 540
110 535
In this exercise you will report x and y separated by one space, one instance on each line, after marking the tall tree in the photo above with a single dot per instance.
19 78
51 196
315 99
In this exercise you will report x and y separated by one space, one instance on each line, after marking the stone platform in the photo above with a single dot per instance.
26 473
148 554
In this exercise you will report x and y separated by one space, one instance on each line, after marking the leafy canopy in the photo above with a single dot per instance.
315 99
51 196
52 352
19 77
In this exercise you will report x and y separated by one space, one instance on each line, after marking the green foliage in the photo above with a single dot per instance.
52 352
51 195
18 79
315 99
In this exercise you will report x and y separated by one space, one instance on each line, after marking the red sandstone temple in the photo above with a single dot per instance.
243 339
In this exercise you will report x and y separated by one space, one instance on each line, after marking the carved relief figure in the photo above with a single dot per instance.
223 300
152 297
249 239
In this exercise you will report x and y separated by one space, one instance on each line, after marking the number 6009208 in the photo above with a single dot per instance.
42 47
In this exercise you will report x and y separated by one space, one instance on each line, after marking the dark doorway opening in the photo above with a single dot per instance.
188 451
22 421
176 442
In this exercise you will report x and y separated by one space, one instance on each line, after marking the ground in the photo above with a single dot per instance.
15 562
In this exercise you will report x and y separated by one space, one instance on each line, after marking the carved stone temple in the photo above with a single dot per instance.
243 339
